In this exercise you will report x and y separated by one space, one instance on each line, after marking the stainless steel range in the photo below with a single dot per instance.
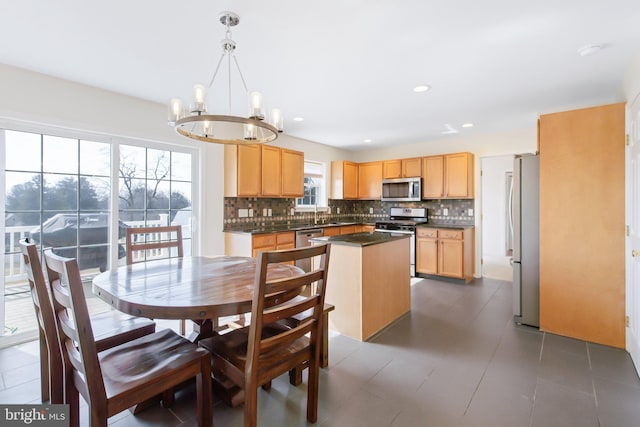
404 221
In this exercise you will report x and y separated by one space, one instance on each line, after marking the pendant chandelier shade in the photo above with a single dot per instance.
195 122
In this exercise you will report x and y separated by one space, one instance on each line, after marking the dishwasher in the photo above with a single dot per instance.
302 240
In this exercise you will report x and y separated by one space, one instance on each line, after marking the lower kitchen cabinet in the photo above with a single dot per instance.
246 244
445 252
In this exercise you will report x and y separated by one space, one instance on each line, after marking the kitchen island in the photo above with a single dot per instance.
369 282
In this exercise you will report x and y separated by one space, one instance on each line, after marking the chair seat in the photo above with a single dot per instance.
149 360
113 328
232 347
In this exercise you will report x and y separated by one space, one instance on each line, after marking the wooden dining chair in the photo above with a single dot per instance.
110 329
153 242
122 376
148 243
252 356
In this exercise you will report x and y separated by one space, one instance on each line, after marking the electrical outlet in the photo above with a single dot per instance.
250 213
470 212
269 212
329 210
293 211
337 210
445 211
370 210
264 212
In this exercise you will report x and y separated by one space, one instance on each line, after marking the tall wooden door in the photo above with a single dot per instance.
632 253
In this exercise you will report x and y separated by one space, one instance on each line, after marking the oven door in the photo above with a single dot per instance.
412 245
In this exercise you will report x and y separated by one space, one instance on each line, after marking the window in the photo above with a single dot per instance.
60 191
314 186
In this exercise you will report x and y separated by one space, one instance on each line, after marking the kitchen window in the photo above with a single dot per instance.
315 185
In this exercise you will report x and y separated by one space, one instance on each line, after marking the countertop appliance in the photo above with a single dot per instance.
404 221
303 238
401 189
524 220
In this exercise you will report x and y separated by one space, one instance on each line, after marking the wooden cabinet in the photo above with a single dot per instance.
370 180
263 171
347 229
582 224
449 176
402 168
445 252
272 242
412 168
433 177
365 228
459 175
292 163
271 171
344 180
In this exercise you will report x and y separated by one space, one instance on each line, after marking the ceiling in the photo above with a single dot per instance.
347 67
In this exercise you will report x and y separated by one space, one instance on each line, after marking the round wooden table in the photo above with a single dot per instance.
198 288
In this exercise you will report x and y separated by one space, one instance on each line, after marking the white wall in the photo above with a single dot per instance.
494 219
631 83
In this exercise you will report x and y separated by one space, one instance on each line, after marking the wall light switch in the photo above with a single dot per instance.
445 211
251 213
264 212
370 210
293 211
337 210
470 211
329 210
269 212
243 213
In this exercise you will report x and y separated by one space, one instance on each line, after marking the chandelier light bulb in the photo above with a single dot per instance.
276 119
249 132
199 97
255 106
207 128
175 110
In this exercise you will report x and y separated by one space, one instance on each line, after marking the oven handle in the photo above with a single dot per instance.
395 231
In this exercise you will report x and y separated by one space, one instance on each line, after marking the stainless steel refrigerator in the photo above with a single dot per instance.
525 209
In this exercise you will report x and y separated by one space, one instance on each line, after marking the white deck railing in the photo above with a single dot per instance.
14 264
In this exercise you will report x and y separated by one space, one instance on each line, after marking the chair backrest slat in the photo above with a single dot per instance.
145 239
75 331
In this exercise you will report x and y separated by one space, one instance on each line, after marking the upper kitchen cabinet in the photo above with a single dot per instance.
402 168
458 170
271 171
344 180
411 168
370 180
263 171
433 177
292 173
392 169
449 176
242 170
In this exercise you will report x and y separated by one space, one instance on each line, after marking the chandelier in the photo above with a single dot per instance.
195 122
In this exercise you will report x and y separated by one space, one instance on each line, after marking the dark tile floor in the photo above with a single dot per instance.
456 360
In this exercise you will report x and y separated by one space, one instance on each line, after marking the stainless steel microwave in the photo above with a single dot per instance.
401 189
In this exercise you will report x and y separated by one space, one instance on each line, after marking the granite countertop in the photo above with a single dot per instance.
293 227
361 239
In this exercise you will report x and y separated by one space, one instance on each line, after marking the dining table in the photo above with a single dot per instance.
202 289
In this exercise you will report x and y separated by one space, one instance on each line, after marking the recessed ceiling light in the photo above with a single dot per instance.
421 88
366 140
589 50
467 125
298 119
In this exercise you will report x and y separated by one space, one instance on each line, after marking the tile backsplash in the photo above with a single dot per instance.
245 213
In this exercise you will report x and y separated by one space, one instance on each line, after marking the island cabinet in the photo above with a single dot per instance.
336 231
263 171
369 284
344 180
445 252
402 168
370 181
448 176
